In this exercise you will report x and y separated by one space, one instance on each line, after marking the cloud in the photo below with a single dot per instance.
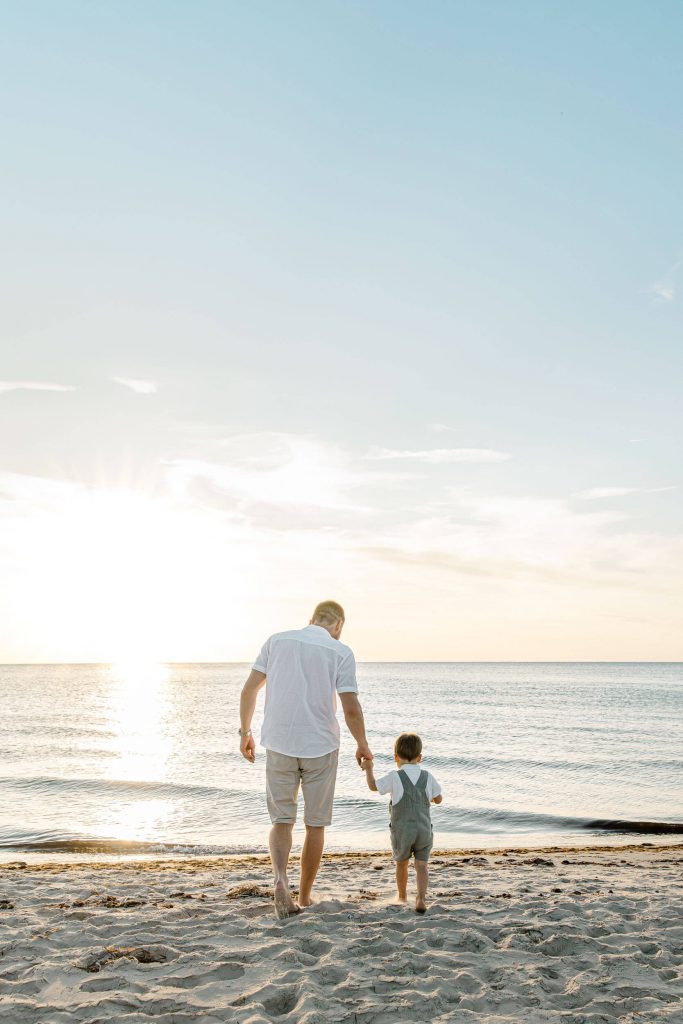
594 493
141 387
33 385
252 534
605 492
665 288
276 477
510 538
439 456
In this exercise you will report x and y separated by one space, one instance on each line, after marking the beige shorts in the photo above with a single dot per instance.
317 777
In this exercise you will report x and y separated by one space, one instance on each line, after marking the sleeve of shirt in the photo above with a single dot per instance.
346 675
261 663
385 784
433 788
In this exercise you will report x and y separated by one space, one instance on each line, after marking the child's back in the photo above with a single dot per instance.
411 819
412 789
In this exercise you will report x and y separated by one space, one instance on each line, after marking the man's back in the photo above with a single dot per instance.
304 669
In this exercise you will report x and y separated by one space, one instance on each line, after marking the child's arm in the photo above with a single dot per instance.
438 797
366 765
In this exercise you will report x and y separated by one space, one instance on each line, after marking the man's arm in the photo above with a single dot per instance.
353 715
247 707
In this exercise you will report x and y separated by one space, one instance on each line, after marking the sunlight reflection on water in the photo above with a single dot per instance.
149 753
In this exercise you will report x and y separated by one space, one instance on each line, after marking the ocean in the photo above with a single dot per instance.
99 760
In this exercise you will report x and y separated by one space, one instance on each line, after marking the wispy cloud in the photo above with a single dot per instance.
33 385
275 519
594 493
274 477
438 456
141 387
665 288
510 538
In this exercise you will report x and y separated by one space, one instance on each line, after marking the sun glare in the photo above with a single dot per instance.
138 713
146 579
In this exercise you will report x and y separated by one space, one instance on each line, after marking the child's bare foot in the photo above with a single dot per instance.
420 906
401 899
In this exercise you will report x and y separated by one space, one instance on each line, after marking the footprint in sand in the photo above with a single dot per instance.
106 984
562 945
330 975
281 1003
223 972
314 947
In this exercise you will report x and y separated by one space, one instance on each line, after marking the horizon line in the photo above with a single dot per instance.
374 661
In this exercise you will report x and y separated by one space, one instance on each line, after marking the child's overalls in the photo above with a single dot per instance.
411 822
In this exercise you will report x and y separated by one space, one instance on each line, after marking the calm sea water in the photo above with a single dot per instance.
92 757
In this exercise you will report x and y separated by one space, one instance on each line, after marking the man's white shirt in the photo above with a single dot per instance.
305 669
391 783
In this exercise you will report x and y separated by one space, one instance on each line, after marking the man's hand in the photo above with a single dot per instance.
247 704
363 753
248 748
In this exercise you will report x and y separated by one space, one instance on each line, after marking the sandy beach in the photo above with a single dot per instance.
580 936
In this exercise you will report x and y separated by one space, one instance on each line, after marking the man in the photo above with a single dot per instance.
303 671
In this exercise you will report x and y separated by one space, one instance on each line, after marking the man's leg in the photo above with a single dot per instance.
282 786
318 777
280 842
402 880
310 861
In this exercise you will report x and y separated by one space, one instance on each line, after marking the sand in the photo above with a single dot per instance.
536 936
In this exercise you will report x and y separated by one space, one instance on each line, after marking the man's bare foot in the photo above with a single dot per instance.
420 906
284 904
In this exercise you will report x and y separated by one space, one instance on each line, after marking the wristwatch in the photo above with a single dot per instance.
247 732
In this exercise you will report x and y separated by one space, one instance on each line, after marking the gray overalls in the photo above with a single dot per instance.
411 822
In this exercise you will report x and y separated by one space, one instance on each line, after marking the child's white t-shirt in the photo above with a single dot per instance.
391 783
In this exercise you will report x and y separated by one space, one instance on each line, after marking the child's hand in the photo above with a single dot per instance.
366 762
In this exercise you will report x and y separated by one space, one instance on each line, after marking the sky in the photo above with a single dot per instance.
377 302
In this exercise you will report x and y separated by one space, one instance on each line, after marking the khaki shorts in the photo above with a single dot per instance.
317 777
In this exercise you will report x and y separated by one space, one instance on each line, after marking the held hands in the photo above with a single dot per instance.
365 763
363 753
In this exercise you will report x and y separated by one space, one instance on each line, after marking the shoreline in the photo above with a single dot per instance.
162 861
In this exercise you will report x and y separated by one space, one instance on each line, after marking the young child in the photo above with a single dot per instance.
412 790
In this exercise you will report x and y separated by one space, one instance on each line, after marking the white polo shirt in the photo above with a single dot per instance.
305 669
391 783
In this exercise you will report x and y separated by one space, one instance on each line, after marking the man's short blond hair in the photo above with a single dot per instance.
328 613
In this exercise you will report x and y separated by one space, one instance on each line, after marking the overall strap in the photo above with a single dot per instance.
421 784
405 780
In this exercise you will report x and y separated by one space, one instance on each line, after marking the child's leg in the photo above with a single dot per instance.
421 878
402 879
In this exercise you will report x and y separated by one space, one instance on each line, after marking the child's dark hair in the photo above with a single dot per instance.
408 746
